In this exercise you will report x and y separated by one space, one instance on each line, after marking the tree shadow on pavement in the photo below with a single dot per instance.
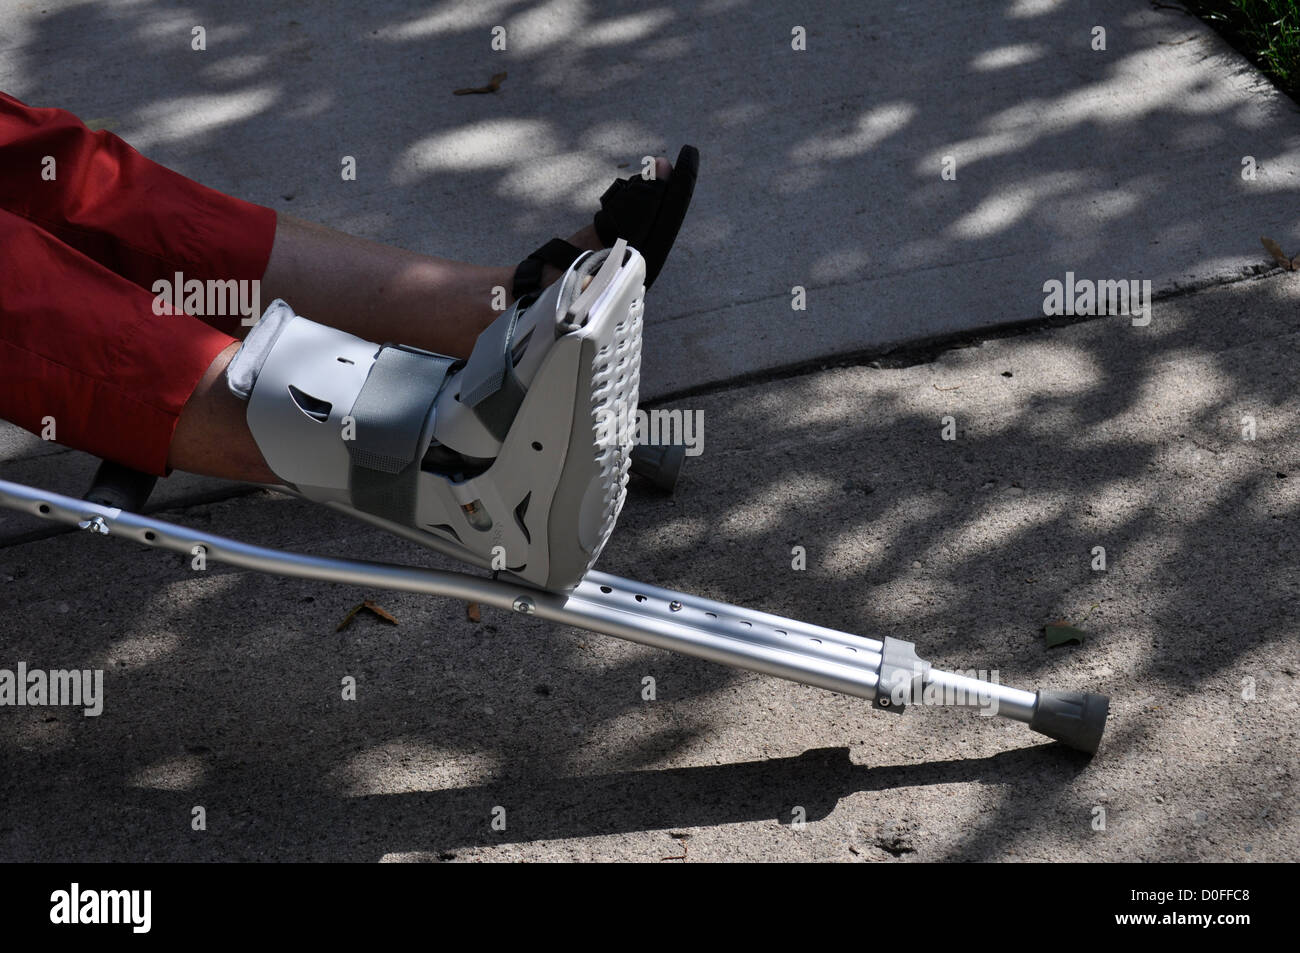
224 686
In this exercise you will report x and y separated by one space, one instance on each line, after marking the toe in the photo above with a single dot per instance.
663 168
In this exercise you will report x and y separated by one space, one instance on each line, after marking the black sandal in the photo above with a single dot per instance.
647 212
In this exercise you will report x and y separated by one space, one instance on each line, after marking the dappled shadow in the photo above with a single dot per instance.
821 168
224 686
440 822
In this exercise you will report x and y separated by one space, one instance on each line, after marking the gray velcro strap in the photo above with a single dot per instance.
488 384
390 414
394 403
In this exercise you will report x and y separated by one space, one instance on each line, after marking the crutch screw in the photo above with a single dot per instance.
675 606
524 605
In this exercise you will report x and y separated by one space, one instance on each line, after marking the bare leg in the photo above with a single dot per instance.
387 294
374 291
212 435
384 294
371 290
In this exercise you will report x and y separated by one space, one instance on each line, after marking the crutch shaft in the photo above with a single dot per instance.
887 672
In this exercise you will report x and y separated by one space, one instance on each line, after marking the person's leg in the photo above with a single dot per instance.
377 292
382 293
372 290
139 219
212 435
86 361
387 294
87 225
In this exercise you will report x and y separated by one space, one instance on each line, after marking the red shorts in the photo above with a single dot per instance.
80 344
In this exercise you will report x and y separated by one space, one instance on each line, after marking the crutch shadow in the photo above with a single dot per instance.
809 786
437 823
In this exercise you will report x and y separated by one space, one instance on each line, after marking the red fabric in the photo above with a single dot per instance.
79 340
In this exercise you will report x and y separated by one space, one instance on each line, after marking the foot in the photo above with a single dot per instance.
587 239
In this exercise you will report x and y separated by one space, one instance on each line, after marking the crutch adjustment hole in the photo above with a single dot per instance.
606 589
150 535
640 598
536 445
44 507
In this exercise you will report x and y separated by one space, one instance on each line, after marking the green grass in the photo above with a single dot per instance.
1267 31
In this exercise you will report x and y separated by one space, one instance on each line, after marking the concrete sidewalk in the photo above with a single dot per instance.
222 687
821 168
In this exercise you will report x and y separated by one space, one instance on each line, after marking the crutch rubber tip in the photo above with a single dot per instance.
660 466
1073 718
